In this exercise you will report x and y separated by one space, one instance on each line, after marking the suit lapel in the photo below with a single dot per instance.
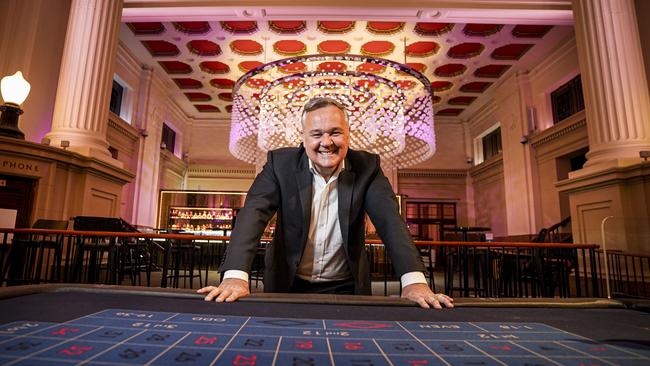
304 180
345 188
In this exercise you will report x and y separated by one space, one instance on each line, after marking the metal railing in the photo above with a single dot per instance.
479 269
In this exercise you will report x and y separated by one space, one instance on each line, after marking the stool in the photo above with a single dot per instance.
183 263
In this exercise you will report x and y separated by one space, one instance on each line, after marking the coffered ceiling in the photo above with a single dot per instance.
202 50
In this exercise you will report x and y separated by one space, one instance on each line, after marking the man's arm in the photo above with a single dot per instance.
261 203
382 208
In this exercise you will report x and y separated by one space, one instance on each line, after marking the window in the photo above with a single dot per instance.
567 100
577 162
168 138
492 144
121 103
117 93
487 144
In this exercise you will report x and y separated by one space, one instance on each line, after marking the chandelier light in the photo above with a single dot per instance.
389 106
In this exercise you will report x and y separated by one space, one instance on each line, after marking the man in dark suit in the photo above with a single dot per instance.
321 192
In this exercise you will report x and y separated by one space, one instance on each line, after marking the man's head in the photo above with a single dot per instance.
326 134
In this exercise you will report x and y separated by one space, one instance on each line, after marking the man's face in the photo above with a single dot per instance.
326 137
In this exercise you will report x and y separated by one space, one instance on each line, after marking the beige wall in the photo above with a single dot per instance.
128 142
32 35
489 195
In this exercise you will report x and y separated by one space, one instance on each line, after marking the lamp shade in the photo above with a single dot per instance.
14 88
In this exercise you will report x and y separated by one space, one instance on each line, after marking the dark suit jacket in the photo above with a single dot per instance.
285 186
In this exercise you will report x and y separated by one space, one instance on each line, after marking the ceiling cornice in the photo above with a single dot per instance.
555 12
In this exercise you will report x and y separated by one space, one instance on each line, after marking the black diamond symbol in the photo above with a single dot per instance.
284 322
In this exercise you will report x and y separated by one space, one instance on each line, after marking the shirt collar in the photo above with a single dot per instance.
334 175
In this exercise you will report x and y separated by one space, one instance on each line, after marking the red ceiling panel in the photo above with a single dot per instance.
377 48
334 47
246 66
462 100
405 84
432 29
144 28
450 70
384 27
367 83
225 97
221 83
491 71
512 51
482 30
198 97
240 27
161 48
438 86
214 67
417 66
293 68
188 83
530 30
465 50
287 26
192 27
335 27
332 66
371 68
175 67
452 112
203 47
256 83
290 47
475 87
246 47
422 49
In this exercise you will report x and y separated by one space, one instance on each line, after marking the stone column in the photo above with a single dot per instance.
83 94
614 181
614 81
146 183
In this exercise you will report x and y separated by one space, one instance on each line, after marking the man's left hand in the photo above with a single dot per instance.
422 294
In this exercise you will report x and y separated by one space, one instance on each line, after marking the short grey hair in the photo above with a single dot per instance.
318 103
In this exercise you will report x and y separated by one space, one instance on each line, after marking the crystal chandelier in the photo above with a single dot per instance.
389 106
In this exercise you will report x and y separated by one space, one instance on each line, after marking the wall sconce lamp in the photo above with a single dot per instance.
14 91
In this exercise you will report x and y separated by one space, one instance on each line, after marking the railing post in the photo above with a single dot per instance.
602 233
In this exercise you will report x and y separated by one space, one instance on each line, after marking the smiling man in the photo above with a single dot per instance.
321 192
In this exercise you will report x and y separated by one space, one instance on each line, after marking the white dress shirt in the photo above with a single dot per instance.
324 259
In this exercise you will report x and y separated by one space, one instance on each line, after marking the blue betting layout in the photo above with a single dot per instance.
128 337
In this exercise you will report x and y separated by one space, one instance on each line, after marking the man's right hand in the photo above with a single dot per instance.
229 290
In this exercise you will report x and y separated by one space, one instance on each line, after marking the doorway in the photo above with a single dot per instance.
17 197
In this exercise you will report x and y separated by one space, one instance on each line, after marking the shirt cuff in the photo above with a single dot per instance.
411 278
240 275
